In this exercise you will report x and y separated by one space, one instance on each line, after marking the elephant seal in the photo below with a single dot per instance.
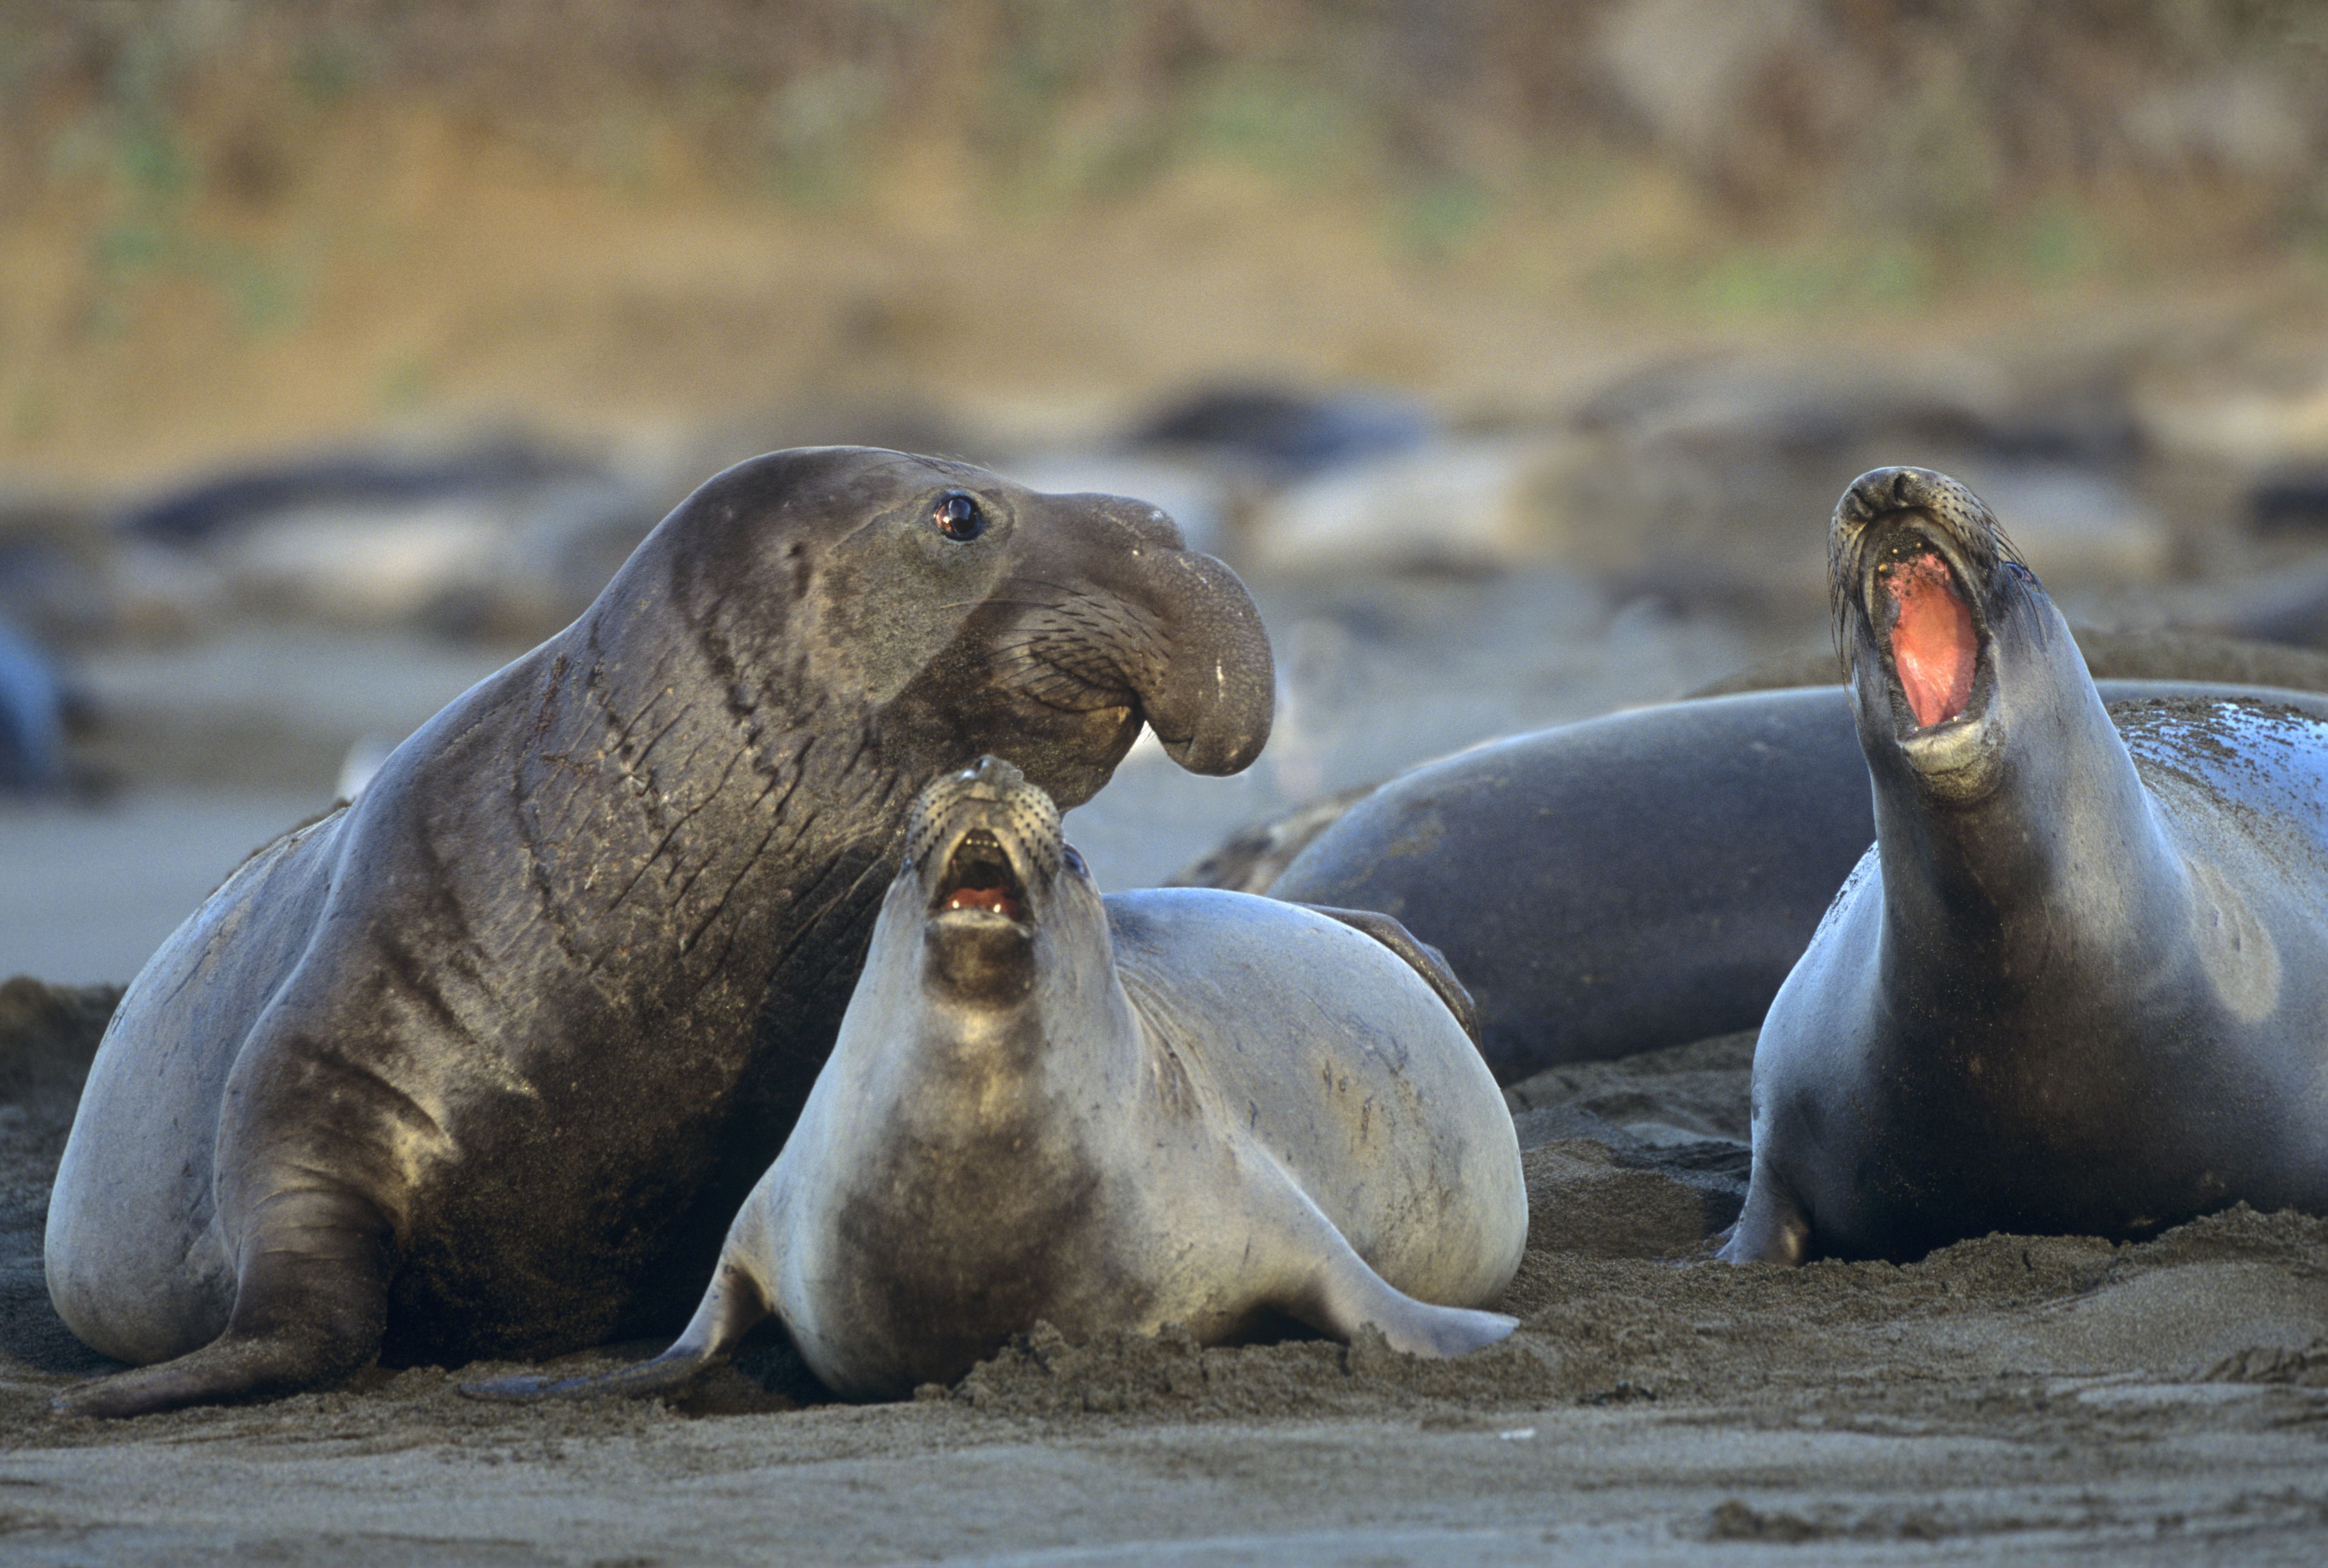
484 1062
32 718
2080 983
1167 1106
1626 883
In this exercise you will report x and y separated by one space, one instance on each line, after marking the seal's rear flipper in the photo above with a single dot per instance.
668 1373
1339 1293
309 1309
731 1308
1348 1297
1422 957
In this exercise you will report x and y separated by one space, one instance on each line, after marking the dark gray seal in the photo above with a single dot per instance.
484 1062
1167 1106
1628 883
2080 983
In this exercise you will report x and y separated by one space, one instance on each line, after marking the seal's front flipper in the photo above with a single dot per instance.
1772 1228
310 1306
1422 957
1336 1291
730 1308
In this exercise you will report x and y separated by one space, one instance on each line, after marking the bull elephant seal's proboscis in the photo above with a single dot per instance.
1167 1106
484 1062
2080 983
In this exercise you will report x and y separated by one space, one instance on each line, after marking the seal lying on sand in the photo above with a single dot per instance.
484 1062
2080 983
1628 883
1168 1106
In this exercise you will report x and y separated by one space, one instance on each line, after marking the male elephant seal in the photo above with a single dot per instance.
2080 983
484 1062
1168 1106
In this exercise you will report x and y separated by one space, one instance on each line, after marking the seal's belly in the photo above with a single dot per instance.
2065 1151
913 1266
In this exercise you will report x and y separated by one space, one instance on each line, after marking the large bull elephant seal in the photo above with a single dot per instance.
2080 983
1168 1106
485 1062
1632 882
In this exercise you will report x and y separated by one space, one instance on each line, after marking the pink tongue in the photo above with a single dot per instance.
1932 643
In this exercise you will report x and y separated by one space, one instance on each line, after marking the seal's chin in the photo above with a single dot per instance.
980 884
1931 638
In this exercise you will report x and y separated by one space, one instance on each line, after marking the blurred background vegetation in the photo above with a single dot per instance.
228 225
1513 350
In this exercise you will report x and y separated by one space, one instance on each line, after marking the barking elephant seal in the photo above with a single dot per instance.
484 1062
2080 983
1167 1106
1626 883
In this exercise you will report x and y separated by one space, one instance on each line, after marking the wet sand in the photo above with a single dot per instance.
2007 1399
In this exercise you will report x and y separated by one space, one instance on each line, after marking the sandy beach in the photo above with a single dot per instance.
2011 1399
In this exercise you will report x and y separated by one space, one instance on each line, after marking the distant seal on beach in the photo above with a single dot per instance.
33 705
1167 1106
2080 983
484 1062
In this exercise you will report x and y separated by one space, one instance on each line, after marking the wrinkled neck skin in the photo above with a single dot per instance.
673 793
2017 839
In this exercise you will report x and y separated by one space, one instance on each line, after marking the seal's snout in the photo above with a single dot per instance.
987 844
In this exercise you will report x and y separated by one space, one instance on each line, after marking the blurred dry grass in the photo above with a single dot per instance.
225 225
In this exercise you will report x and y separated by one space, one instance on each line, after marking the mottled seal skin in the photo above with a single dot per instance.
484 1062
1167 1106
1628 883
2080 983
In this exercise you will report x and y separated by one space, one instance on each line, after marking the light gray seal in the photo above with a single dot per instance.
484 1062
2079 984
1167 1106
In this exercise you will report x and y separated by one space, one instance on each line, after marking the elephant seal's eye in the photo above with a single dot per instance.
958 517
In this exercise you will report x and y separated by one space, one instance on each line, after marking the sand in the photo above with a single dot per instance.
2007 1399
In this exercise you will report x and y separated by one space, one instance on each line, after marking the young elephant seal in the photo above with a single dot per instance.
484 1062
1169 1106
2080 983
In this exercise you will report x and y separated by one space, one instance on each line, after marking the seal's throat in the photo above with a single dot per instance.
1935 644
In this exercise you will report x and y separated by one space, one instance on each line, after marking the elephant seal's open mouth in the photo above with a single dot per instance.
979 878
1934 647
1921 574
985 848
1929 629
